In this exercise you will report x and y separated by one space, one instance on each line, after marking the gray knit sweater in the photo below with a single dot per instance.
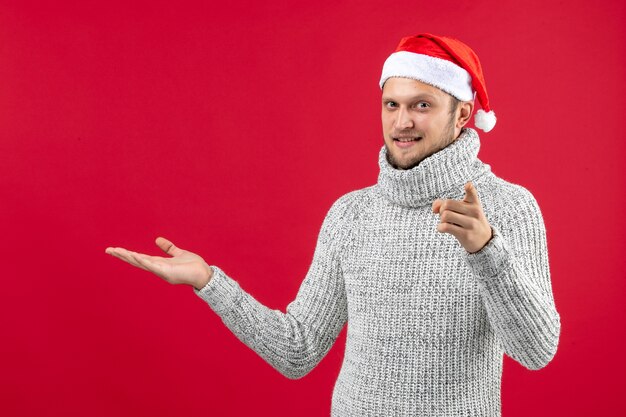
428 322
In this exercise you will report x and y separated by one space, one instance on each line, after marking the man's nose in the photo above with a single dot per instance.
403 120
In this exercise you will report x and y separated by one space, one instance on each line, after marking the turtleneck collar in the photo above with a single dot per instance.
441 175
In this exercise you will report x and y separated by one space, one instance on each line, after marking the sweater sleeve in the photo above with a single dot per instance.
296 341
514 279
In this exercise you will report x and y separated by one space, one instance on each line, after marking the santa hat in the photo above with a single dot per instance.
445 63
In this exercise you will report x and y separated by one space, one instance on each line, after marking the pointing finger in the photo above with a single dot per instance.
471 194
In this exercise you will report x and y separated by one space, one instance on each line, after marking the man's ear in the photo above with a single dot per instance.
465 111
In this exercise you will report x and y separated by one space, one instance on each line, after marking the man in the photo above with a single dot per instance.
436 282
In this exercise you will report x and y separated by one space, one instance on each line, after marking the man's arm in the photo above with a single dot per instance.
514 278
296 341
293 342
512 269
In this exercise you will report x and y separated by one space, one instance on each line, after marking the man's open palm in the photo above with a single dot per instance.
183 267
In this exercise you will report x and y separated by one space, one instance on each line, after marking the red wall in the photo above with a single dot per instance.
230 129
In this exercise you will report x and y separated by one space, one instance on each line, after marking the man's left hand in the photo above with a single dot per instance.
464 219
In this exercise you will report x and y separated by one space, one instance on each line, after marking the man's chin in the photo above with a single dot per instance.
403 164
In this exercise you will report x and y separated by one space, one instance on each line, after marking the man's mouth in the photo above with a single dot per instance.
407 139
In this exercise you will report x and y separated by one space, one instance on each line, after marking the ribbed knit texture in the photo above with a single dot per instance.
428 322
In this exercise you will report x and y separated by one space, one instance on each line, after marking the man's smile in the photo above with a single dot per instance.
407 138
404 142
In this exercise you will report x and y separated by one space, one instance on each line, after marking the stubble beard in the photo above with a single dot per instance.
445 139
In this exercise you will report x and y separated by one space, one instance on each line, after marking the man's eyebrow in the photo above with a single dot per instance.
423 96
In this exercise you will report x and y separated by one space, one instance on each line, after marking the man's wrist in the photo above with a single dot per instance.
486 243
205 279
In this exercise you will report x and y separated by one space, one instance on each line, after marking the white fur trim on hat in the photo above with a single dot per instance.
437 72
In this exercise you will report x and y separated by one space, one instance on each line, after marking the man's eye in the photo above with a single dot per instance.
422 105
390 104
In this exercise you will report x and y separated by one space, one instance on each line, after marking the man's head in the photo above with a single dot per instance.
419 120
428 88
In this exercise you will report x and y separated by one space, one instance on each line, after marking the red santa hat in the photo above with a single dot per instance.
445 63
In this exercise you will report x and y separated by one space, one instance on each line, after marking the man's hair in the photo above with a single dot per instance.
454 104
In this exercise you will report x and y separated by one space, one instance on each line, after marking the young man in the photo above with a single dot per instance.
437 282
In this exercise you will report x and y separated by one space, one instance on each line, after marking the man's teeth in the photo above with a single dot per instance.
406 139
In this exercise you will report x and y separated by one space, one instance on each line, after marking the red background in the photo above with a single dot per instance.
230 129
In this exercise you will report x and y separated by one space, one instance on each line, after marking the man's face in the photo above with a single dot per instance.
412 109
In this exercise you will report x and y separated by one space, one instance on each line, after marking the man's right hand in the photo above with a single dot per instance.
183 267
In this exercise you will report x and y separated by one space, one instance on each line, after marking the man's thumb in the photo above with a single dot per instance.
436 205
167 246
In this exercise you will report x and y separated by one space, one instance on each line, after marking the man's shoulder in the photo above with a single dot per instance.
342 213
508 191
351 200
356 195
508 200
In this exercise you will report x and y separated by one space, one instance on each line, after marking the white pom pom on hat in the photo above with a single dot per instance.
485 120
445 63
